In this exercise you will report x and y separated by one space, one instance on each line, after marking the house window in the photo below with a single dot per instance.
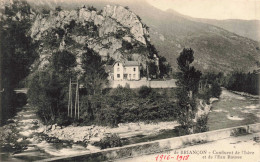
130 76
118 75
118 69
134 69
125 76
134 76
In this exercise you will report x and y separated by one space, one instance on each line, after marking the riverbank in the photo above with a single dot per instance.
204 109
246 94
96 133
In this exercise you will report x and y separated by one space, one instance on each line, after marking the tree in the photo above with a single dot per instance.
63 60
164 67
187 81
94 75
152 68
17 52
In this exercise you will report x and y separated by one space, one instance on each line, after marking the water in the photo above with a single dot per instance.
233 110
27 143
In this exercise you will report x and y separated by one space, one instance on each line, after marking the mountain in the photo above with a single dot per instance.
113 32
245 28
215 48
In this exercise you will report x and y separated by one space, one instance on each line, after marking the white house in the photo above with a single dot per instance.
128 70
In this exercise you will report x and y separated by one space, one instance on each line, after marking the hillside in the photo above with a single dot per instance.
245 28
113 32
215 48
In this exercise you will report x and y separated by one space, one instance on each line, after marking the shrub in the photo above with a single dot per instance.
109 141
122 105
126 45
205 95
64 120
215 90
201 125
239 132
144 91
92 8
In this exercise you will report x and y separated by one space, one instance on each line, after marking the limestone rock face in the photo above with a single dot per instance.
127 19
112 32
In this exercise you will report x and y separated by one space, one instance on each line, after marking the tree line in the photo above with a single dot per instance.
17 52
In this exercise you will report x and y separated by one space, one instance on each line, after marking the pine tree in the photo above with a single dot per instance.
187 81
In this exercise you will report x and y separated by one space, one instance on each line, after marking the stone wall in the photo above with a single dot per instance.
138 84
160 145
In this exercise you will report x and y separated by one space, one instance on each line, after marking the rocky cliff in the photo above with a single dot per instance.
114 32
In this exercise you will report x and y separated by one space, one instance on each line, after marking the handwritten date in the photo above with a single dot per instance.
168 157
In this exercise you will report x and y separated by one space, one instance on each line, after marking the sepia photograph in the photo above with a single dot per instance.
130 80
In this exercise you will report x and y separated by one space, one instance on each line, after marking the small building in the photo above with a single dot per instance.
127 70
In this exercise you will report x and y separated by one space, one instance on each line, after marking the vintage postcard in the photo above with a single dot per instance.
130 80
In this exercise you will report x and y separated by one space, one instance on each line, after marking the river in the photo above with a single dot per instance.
233 110
28 143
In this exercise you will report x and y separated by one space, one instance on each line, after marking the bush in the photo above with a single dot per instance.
126 45
92 8
205 95
201 125
64 120
216 90
122 105
238 132
144 91
112 140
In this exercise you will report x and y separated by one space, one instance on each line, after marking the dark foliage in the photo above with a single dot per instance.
20 99
144 91
188 81
48 88
201 125
17 52
164 67
63 60
94 76
48 94
122 105
210 86
126 45
92 8
112 140
215 90
153 70
243 82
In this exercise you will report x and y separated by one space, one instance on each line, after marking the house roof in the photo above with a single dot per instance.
131 63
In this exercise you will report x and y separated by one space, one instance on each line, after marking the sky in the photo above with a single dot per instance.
212 9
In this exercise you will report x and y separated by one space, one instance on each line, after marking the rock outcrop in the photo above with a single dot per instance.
114 32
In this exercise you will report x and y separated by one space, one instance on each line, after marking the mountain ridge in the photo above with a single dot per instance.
216 49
